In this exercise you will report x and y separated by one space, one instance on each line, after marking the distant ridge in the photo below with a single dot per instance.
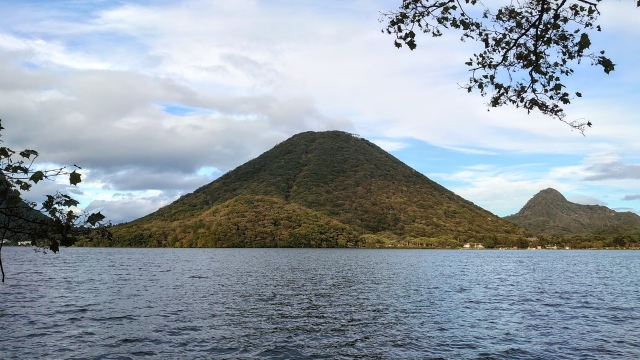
550 213
318 189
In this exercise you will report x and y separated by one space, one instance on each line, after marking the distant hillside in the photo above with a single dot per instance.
16 211
549 213
318 189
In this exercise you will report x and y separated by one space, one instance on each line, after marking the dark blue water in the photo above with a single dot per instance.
312 303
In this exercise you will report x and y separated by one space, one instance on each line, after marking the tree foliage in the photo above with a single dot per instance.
53 223
589 241
529 46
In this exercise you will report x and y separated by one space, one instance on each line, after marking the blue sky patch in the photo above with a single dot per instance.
182 110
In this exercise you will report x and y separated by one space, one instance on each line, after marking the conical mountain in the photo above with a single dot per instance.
550 213
317 189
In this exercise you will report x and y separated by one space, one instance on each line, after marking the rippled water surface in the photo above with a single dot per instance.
312 303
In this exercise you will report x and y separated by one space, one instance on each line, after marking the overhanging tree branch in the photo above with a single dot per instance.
529 47
57 222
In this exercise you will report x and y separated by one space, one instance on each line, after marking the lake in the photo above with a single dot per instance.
319 303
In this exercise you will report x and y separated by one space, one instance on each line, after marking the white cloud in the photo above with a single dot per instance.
501 190
87 88
470 151
504 190
390 145
614 170
586 200
109 120
128 206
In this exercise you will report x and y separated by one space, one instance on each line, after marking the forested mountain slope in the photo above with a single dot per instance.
318 189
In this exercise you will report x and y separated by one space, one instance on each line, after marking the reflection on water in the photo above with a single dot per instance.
320 303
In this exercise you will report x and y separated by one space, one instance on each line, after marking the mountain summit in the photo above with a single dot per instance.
550 213
317 189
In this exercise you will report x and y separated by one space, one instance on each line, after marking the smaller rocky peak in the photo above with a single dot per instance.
550 194
545 199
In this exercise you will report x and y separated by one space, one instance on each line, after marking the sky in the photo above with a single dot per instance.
154 99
